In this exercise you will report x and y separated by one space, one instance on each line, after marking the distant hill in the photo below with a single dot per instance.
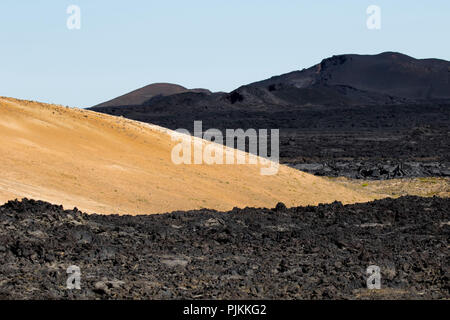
141 95
348 79
334 93
352 78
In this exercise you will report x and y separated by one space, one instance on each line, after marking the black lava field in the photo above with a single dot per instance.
317 252
362 142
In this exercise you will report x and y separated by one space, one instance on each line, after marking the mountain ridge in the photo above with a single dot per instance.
388 77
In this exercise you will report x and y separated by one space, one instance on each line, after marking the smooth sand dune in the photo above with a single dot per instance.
105 164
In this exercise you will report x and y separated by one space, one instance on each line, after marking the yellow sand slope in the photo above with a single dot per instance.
104 164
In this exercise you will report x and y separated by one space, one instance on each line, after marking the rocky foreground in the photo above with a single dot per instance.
300 253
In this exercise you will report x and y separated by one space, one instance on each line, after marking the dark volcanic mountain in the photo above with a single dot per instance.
344 79
143 94
361 78
364 116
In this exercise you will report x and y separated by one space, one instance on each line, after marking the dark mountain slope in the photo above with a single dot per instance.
392 74
387 78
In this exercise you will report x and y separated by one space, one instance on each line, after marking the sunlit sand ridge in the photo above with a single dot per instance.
104 164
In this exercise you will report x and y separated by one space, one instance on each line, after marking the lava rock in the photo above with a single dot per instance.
314 252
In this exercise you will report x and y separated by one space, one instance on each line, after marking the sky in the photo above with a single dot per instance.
214 44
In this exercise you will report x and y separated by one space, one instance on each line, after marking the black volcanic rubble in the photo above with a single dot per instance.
310 252
372 170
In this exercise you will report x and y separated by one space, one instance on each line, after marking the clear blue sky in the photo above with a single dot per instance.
214 44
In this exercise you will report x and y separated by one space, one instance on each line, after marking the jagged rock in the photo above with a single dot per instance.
280 207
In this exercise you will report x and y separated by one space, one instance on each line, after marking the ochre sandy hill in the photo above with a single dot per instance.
104 164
